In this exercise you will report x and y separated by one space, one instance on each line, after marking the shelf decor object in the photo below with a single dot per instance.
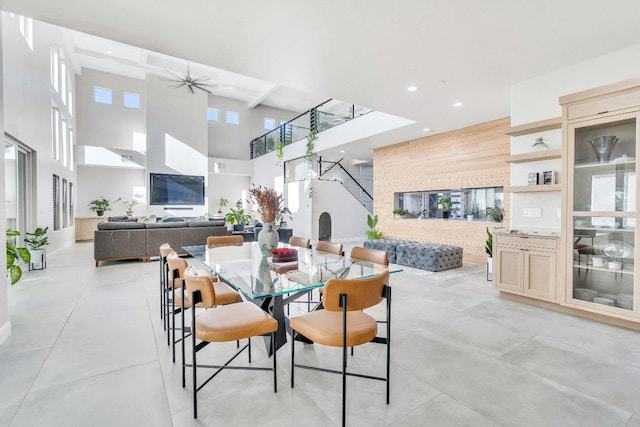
539 145
603 146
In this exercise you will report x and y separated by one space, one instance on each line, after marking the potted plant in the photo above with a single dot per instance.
269 204
282 215
399 213
488 247
469 214
137 198
222 203
373 233
238 218
36 240
100 205
444 206
14 255
495 214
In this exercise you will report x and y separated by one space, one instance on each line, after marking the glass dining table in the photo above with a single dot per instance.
272 285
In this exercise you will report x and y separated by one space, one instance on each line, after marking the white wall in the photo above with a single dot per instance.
28 99
537 99
109 125
5 324
110 183
348 216
232 141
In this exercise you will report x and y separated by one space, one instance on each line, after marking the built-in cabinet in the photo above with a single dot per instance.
601 129
85 228
525 265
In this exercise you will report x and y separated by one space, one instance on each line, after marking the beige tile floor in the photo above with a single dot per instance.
88 349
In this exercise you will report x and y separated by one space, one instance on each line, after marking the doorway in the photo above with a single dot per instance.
324 226
17 163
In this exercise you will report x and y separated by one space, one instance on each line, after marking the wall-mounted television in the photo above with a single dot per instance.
167 189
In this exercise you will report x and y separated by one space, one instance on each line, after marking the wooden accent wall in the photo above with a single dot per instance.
466 158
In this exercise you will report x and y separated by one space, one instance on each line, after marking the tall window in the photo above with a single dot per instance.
26 29
63 81
71 198
56 202
65 204
64 132
55 133
71 149
55 64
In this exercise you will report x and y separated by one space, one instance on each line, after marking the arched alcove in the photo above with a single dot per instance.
324 226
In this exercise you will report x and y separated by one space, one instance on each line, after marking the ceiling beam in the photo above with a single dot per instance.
261 97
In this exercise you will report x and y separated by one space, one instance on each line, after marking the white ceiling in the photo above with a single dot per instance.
362 51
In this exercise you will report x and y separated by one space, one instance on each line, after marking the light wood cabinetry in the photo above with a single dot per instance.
85 228
526 265
601 127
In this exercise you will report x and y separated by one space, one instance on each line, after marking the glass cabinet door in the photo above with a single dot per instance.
603 215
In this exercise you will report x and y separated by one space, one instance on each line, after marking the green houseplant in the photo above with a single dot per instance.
238 218
373 233
222 203
495 214
99 205
399 213
14 255
36 240
444 207
137 198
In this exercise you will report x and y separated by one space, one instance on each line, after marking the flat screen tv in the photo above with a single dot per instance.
169 189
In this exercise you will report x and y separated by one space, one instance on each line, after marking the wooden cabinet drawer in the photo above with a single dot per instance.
604 105
526 242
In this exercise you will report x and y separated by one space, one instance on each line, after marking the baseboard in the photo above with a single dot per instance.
5 332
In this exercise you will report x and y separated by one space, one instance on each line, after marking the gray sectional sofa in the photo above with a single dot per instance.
425 256
131 240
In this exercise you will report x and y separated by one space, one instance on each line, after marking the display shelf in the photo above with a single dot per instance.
533 127
603 229
607 165
532 188
534 157
590 267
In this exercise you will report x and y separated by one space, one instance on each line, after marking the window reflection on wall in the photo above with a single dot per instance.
485 204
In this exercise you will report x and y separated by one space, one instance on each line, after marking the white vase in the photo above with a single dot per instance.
268 236
38 259
469 217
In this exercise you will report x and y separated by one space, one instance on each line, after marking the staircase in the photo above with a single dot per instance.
360 189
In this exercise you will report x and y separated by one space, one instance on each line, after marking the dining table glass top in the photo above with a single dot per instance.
250 268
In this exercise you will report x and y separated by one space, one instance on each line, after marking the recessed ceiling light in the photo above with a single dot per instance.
457 104
412 88
426 130
342 151
109 52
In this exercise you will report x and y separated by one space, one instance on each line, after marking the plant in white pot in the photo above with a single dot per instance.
488 247
35 241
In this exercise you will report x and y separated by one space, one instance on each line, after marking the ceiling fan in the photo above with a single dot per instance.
190 82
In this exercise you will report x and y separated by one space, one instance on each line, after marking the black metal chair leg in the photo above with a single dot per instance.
275 375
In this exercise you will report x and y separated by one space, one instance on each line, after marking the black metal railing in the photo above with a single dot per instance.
329 114
334 171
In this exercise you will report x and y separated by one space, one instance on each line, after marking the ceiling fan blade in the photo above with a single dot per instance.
190 89
202 88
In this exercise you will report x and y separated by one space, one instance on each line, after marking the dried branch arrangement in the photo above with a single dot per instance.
268 201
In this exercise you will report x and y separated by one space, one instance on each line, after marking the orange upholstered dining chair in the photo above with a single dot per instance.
329 247
221 324
165 250
376 256
234 240
343 323
301 242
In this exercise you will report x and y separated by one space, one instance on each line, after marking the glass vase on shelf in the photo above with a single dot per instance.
539 145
